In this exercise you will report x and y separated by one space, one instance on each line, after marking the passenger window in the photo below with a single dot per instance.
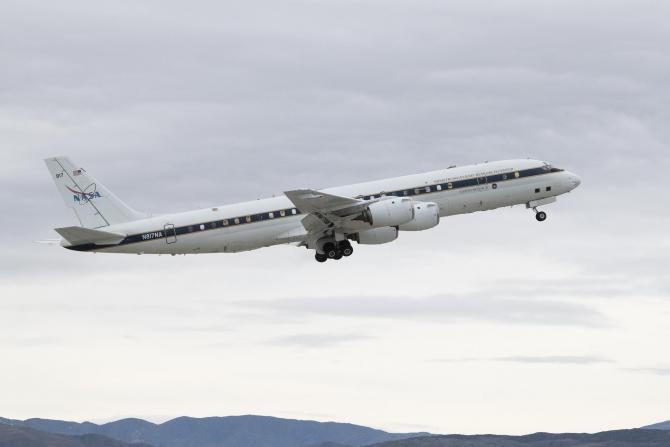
427 188
504 177
282 213
271 215
248 219
237 221
294 211
449 185
202 227
439 187
225 222
405 193
517 175
417 191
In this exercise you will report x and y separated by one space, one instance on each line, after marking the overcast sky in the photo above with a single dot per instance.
490 323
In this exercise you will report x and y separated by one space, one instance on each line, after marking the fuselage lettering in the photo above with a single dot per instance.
154 235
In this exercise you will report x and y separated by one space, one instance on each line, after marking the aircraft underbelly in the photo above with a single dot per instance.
221 240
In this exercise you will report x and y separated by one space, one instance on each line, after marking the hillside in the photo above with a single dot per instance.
262 431
660 426
13 436
615 438
232 431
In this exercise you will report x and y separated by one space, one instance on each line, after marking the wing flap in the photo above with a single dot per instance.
309 200
324 210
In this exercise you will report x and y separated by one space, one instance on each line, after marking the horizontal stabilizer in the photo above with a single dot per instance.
80 235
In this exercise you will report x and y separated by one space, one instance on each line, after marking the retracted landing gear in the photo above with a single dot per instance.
336 251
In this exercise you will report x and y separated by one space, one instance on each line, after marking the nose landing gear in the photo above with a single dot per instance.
540 216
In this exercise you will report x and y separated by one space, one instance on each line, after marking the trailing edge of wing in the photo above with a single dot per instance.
324 210
79 235
309 200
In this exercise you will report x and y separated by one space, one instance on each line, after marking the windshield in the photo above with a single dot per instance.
550 168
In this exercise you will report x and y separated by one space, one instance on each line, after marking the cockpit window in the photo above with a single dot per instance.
550 168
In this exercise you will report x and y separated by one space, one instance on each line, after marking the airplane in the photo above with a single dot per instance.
325 220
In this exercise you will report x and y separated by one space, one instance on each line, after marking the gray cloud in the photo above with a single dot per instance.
175 106
659 371
37 341
317 340
441 308
556 359
531 359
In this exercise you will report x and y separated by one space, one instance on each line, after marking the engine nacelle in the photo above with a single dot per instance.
390 212
377 236
426 216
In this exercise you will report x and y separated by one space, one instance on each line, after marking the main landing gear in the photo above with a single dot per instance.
334 250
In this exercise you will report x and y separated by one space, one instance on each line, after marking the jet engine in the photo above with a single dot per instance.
376 236
426 216
390 212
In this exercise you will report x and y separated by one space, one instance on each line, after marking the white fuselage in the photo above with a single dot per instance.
272 221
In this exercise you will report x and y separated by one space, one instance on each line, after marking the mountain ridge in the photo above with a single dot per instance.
218 431
636 437
269 431
17 436
658 426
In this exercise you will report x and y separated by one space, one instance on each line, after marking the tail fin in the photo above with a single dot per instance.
94 205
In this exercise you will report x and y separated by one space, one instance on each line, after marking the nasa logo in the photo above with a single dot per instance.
84 196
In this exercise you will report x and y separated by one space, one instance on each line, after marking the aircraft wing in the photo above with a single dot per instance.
324 210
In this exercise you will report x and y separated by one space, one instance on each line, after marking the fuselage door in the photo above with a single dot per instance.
170 234
482 180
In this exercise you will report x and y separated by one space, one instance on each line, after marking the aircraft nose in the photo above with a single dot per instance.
574 180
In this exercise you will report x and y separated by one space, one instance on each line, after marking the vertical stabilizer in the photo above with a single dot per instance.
94 205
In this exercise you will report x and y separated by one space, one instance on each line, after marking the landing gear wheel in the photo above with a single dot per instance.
320 257
346 249
338 255
330 250
541 216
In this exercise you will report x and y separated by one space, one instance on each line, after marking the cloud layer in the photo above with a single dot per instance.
175 106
